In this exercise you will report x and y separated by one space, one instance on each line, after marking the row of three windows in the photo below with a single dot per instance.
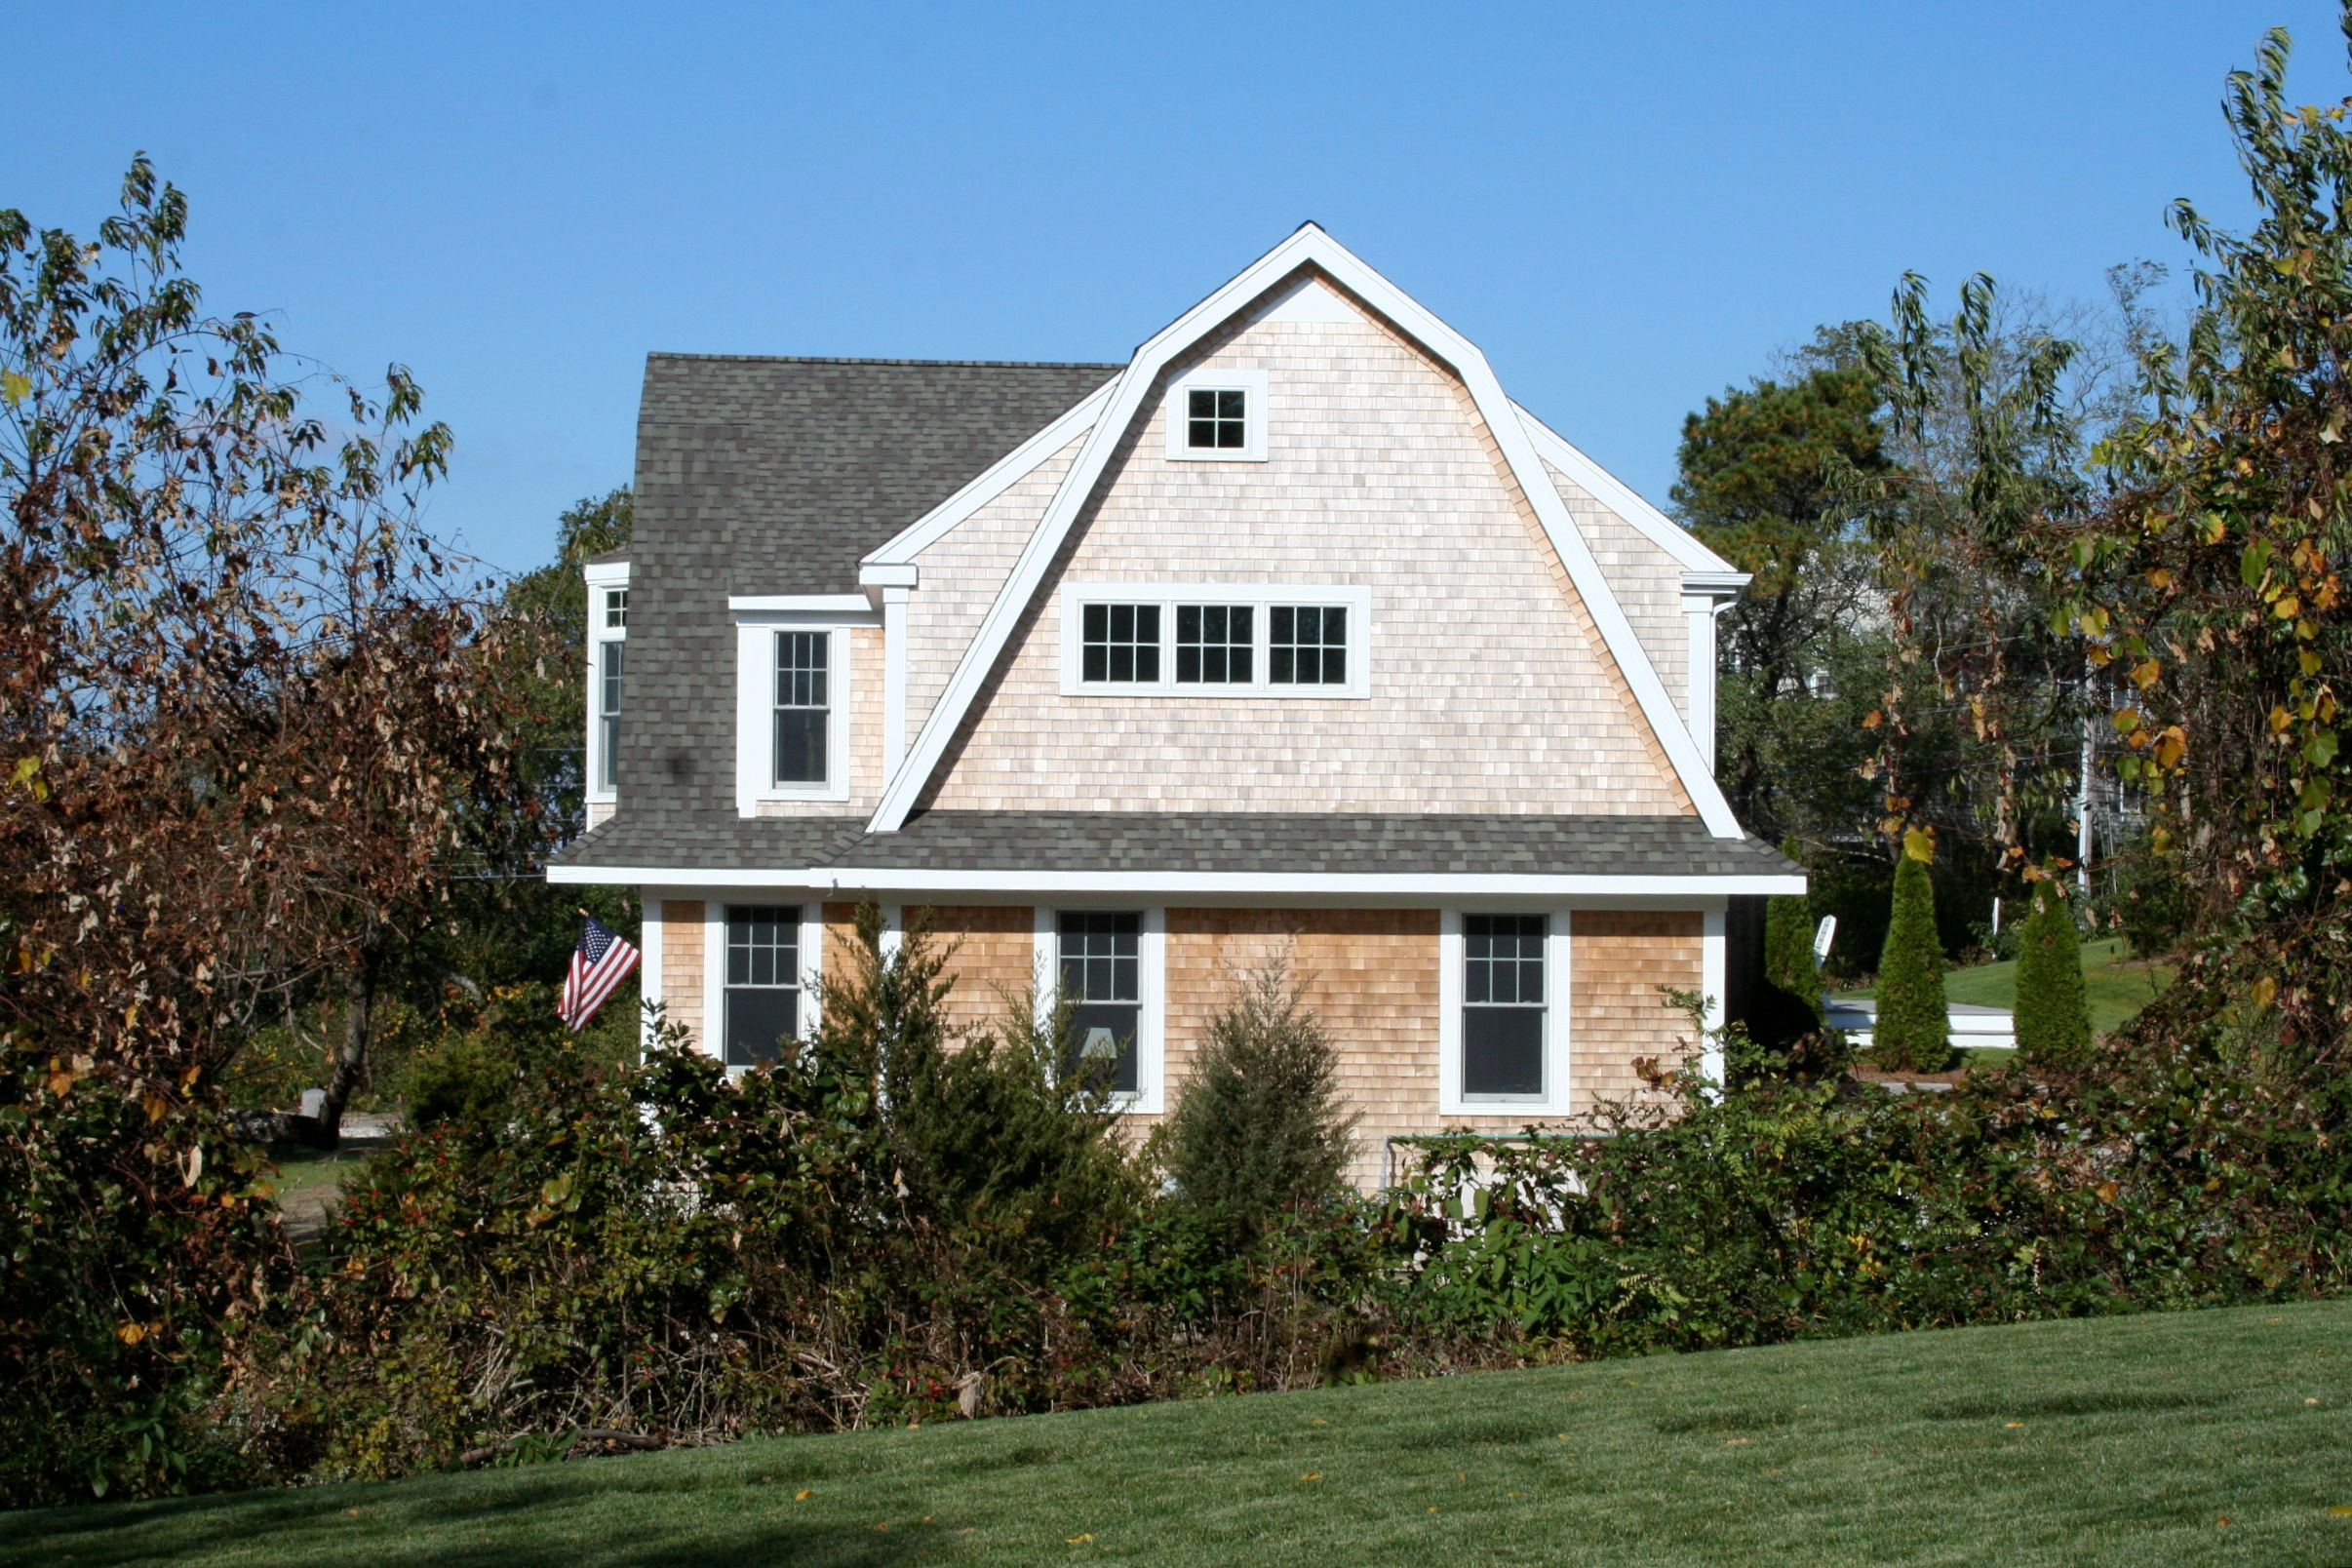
1197 644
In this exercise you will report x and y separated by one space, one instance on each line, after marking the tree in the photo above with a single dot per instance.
2054 1020
1259 1128
1760 475
1914 1027
242 717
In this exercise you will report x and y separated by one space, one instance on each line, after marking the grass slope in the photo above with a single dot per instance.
2123 1441
2114 984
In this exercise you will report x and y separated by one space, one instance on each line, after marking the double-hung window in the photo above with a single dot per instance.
1265 639
608 653
803 710
762 984
1101 962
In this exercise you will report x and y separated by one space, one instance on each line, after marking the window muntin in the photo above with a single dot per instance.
1120 644
762 983
1502 1007
1215 644
616 609
1100 961
1307 645
1216 418
609 658
802 708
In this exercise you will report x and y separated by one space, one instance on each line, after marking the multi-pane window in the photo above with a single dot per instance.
1502 1007
1214 644
1119 644
1216 418
802 707
762 981
616 609
1102 979
1307 645
609 654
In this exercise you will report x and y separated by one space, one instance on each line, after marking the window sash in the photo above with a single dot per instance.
1118 643
1100 957
1504 1010
616 609
1215 644
1290 646
609 659
802 721
1216 418
761 982
1307 645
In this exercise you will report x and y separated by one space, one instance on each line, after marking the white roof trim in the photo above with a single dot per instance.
1310 245
1621 498
605 573
1189 883
993 481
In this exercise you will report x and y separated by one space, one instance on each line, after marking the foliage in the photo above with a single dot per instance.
2053 1017
1788 947
1913 1026
1259 1128
2153 902
134 1259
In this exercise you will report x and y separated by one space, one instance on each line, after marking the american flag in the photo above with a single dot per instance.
599 964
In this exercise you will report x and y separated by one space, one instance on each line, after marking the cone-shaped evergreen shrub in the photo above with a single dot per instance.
1260 1128
2054 1022
1788 949
1913 1024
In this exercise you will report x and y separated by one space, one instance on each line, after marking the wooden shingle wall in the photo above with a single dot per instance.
1646 580
1618 959
1491 688
995 955
681 963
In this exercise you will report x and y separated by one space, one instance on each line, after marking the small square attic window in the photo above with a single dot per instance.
1218 416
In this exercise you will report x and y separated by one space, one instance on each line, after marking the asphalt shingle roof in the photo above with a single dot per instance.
1242 842
776 475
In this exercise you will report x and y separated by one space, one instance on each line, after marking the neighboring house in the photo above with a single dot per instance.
1292 632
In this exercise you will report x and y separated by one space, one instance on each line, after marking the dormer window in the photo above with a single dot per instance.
1218 416
607 656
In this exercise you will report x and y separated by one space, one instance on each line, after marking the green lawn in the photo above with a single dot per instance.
2114 984
2184 1439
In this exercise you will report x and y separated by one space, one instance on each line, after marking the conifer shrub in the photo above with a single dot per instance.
2054 1020
1259 1129
1788 948
1914 1028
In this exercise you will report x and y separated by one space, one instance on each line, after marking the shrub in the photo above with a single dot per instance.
1788 949
2153 903
1259 1127
1914 1028
2053 1018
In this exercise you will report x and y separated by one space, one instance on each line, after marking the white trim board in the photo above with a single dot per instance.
1363 888
1309 247
1621 498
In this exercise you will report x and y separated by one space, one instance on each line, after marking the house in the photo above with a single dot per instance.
1290 632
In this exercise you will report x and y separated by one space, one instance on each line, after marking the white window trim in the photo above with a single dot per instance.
714 963
1261 597
601 580
1150 1098
1250 383
755 697
1559 1090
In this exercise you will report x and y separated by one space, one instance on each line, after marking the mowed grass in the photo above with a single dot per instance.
2115 985
2183 1439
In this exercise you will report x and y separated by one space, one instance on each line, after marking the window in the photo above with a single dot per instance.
1502 1007
1307 645
803 717
1260 640
1217 415
608 708
762 982
1121 645
1101 976
1214 644
616 609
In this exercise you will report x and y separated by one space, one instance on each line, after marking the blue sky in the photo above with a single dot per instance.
1628 207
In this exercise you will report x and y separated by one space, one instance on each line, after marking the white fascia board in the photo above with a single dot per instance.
901 549
887 575
799 604
1309 246
1724 585
605 573
1621 498
1667 891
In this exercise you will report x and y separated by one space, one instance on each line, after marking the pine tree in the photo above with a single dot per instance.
1914 1027
2053 1021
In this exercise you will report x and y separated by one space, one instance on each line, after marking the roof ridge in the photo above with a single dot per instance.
918 364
